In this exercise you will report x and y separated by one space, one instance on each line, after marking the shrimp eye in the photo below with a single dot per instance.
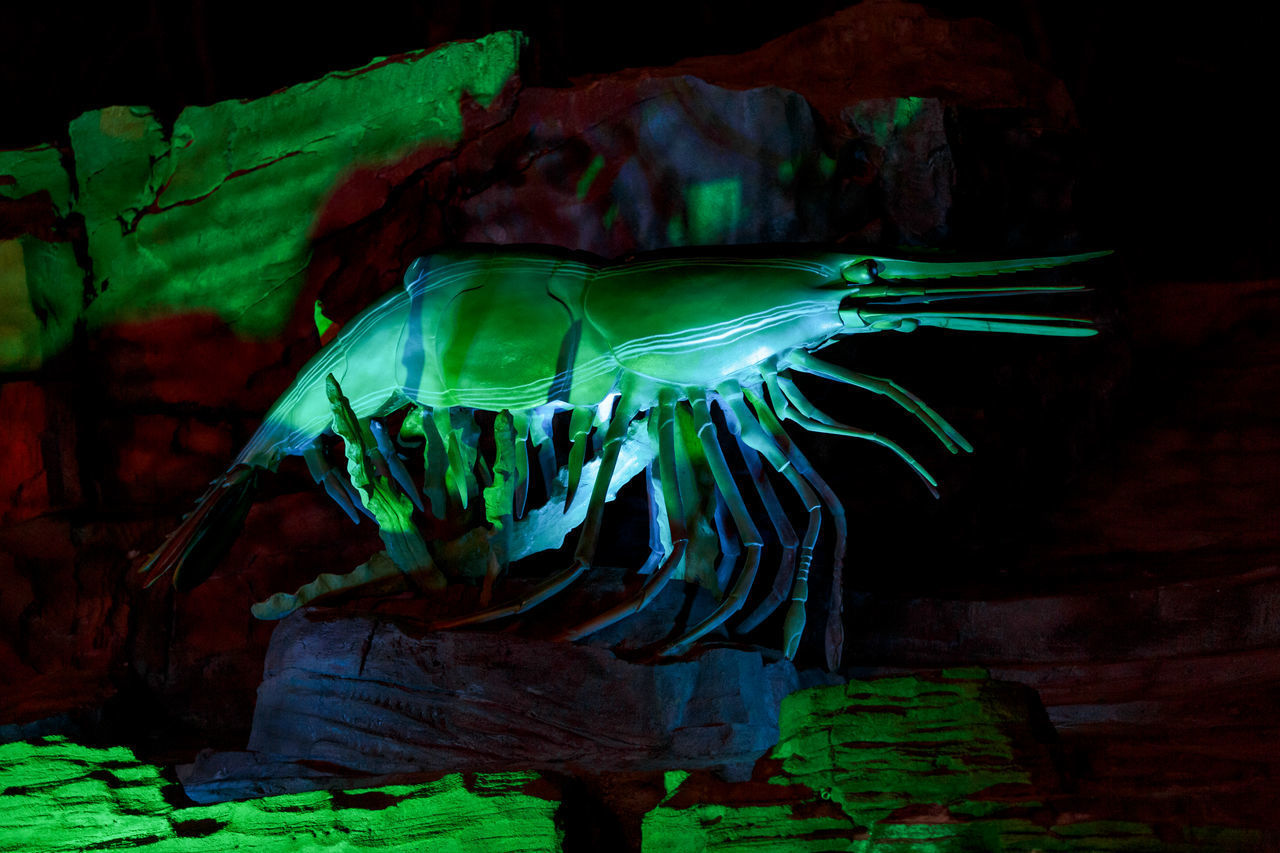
862 272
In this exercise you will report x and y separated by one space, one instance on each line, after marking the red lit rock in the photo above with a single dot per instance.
24 488
891 49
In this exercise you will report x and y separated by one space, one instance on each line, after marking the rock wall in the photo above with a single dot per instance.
950 761
62 796
1112 547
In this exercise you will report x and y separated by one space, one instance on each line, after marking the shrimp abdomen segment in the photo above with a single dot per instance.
698 321
517 338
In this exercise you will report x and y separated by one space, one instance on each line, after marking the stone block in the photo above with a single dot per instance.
358 697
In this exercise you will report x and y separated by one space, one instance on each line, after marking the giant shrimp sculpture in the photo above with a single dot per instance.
529 333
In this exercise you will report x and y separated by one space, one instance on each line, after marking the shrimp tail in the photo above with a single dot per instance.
195 548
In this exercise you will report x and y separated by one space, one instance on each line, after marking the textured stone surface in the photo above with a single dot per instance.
217 215
64 625
23 480
945 761
663 161
621 165
60 796
890 49
41 286
949 761
41 281
358 698
34 171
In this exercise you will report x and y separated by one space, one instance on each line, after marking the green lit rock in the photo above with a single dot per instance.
32 170
218 215
41 283
790 826
876 746
944 763
60 796
41 287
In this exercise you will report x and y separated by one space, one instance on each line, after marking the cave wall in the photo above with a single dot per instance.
1112 546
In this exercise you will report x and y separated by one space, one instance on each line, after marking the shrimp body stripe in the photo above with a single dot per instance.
429 387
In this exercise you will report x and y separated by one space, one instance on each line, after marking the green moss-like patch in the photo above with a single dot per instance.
60 796
879 745
41 284
31 170
936 764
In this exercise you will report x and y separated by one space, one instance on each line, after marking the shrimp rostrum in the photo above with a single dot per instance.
651 344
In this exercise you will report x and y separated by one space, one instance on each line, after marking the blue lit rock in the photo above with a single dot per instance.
356 698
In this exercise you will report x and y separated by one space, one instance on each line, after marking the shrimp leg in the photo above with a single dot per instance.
674 508
586 549
742 521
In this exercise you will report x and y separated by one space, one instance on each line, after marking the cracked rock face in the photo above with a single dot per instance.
352 698
61 796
